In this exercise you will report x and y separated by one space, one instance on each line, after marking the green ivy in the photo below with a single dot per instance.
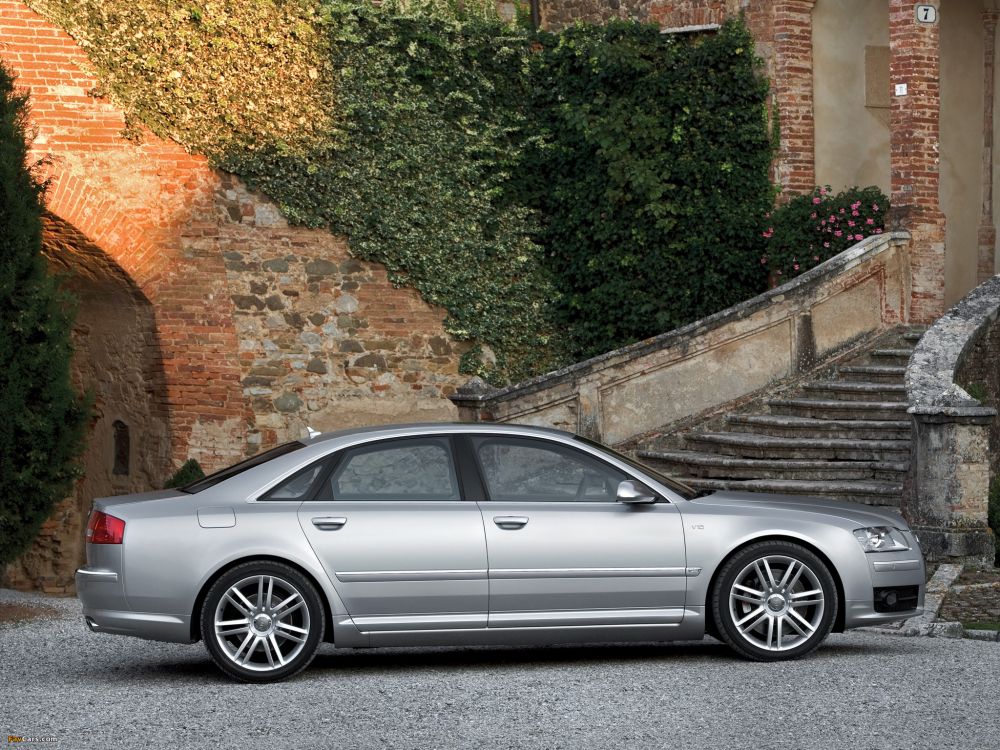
558 195
650 170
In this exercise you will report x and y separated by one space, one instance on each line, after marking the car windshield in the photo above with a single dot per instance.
688 493
231 471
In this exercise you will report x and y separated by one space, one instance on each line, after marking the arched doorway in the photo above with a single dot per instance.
117 360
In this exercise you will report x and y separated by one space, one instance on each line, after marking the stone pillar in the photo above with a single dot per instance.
987 228
915 61
950 475
795 171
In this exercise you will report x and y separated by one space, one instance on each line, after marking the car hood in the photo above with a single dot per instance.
862 515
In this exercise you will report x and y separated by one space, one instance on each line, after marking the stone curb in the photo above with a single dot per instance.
926 625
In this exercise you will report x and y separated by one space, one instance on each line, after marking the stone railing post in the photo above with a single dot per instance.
947 488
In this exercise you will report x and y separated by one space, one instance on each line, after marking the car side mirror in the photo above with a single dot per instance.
634 492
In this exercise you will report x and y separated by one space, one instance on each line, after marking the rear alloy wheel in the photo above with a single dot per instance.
262 622
773 601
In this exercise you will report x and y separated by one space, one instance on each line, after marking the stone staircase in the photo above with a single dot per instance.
843 433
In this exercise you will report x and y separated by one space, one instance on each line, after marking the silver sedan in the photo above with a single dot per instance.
454 534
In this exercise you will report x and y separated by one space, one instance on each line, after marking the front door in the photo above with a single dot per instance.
403 549
562 551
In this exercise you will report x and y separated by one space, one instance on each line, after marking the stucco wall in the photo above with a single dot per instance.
852 140
961 142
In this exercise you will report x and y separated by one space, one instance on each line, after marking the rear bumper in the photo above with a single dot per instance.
105 610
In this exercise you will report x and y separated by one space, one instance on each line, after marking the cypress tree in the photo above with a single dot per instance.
42 419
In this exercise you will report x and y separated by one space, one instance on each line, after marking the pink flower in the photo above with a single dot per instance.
850 223
822 191
826 244
815 257
812 215
795 267
874 206
855 213
869 221
842 210
816 200
859 237
838 233
763 260
878 231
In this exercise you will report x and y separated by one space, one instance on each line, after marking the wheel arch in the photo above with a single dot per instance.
838 623
199 601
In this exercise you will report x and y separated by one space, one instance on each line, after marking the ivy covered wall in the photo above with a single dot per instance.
558 195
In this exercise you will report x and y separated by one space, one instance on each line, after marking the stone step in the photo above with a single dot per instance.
913 336
872 493
714 466
835 409
786 426
900 356
873 373
851 390
747 445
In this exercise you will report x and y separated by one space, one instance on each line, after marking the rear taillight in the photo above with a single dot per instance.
104 529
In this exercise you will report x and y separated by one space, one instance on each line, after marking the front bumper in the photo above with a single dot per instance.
106 610
889 570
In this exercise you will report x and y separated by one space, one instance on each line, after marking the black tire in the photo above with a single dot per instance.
285 644
747 641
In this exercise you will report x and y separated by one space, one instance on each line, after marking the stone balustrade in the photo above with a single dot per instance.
715 361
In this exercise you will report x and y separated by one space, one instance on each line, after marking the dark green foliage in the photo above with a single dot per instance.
651 173
190 472
43 419
812 228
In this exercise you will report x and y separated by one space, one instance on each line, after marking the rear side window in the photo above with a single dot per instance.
297 487
261 458
405 469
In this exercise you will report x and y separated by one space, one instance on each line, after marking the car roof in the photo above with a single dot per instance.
420 428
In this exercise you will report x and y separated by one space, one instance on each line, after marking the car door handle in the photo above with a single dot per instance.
510 522
329 523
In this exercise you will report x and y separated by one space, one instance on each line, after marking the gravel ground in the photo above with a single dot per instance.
860 690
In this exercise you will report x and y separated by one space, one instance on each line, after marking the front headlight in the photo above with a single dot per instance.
881 539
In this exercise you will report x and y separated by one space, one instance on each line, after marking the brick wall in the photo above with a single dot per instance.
233 330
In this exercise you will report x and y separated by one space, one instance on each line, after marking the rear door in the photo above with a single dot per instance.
402 547
562 551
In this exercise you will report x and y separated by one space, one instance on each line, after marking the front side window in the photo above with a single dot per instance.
404 469
524 470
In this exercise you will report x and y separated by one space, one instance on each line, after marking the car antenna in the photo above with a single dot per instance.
312 433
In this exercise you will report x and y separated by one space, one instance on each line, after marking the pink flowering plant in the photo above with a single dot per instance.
811 228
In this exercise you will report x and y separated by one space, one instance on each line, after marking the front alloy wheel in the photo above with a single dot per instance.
774 600
262 622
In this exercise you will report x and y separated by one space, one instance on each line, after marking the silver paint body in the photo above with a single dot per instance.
441 573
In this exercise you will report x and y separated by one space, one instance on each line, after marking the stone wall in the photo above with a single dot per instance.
325 340
628 392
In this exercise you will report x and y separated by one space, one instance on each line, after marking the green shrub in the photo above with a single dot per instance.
43 418
812 228
189 472
650 171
